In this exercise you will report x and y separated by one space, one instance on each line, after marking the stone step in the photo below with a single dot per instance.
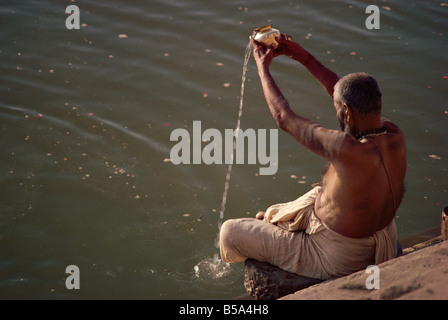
264 281
419 275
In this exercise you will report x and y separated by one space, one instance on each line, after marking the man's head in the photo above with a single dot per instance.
359 94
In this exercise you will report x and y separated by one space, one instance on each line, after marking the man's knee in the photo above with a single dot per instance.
225 234
228 237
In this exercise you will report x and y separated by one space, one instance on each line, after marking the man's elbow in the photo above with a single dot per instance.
282 120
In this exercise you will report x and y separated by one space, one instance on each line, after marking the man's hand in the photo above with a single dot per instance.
260 215
290 48
263 55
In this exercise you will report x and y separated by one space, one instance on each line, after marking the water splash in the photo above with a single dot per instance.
212 268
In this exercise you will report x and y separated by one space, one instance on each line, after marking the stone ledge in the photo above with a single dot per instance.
264 281
421 245
420 275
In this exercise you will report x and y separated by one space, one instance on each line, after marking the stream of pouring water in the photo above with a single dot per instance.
229 168
216 266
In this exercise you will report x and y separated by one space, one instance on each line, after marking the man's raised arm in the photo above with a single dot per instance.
292 49
317 139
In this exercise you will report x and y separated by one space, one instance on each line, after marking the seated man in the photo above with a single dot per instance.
346 223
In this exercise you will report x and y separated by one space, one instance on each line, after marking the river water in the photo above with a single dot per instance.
86 117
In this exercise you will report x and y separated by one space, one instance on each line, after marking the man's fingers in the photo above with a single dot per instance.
257 44
284 37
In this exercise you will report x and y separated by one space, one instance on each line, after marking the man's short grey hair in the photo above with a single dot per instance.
360 91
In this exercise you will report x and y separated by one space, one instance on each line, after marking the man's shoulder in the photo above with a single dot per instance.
390 126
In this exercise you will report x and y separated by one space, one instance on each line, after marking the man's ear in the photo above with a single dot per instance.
348 113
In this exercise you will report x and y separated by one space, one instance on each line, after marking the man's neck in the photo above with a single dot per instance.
366 125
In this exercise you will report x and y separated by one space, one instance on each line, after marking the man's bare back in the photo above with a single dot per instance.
357 197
